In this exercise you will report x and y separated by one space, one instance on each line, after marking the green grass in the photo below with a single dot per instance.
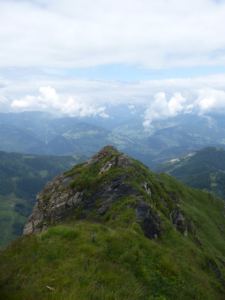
92 261
7 214
111 258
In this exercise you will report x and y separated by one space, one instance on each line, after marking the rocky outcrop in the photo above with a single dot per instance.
145 186
109 164
56 201
178 220
44 199
99 155
164 202
175 198
214 267
149 220
61 198
124 162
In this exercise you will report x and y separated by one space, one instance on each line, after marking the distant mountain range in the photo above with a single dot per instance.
42 134
203 169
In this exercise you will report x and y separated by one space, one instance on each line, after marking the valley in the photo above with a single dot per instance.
21 177
43 134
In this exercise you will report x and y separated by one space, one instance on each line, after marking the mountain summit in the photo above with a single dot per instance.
111 229
89 191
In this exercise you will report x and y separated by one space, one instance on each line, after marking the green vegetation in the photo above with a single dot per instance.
204 170
21 178
110 258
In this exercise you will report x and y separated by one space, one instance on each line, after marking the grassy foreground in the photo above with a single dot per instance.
112 259
92 261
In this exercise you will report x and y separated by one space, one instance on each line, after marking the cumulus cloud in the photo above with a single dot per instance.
83 33
83 97
50 101
160 108
210 100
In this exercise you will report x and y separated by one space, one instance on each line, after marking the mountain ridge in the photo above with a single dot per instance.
110 228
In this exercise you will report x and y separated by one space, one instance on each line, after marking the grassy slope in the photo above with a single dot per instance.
112 259
21 177
205 170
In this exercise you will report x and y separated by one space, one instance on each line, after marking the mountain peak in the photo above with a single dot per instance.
110 228
90 190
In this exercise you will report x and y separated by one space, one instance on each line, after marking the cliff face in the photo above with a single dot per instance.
68 195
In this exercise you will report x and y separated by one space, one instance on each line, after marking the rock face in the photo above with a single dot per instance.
99 155
217 272
177 216
145 186
151 223
64 197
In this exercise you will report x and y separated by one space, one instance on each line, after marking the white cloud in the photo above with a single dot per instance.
51 102
104 115
82 97
160 108
210 100
131 106
84 33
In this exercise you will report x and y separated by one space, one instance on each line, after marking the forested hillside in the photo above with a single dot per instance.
21 177
203 169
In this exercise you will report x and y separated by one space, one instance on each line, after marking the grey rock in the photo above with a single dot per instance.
178 220
191 228
99 155
109 164
214 267
75 200
113 191
198 242
65 182
145 186
175 198
124 161
61 206
150 222
91 161
28 229
164 202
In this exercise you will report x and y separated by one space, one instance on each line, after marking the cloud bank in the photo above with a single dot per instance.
160 108
159 99
50 101
85 33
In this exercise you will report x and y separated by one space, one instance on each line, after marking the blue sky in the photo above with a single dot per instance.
134 73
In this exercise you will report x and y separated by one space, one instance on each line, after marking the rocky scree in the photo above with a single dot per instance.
60 200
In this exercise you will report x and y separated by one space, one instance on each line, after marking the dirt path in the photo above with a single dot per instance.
6 232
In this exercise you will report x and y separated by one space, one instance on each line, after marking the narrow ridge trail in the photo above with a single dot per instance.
6 232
